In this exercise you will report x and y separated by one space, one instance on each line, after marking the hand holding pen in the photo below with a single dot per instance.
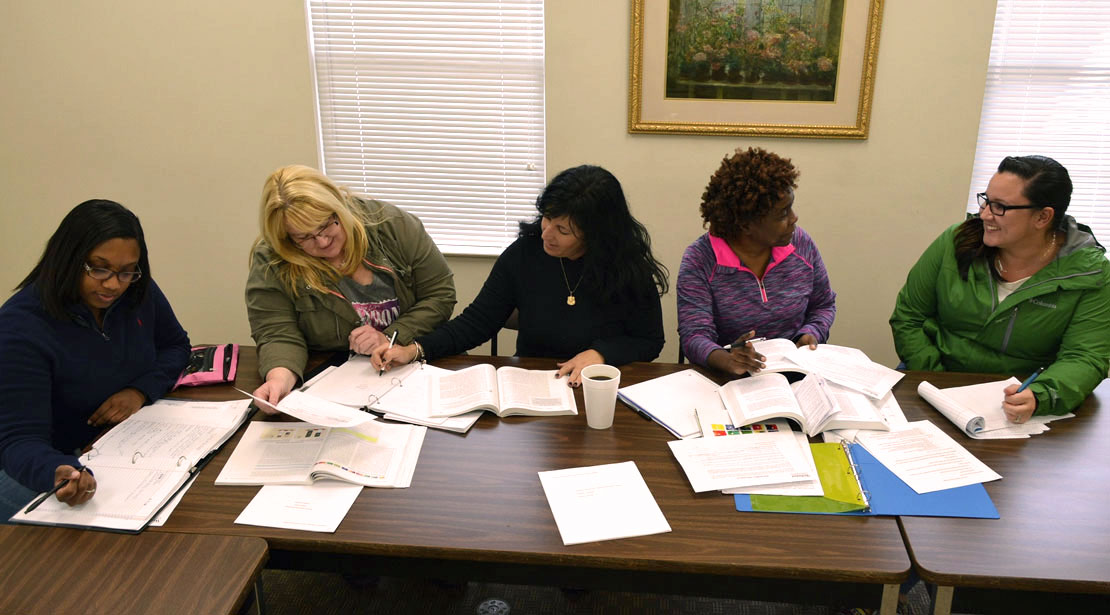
739 357
392 338
1019 402
72 485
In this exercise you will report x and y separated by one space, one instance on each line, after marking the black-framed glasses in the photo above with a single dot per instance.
1000 209
102 274
300 240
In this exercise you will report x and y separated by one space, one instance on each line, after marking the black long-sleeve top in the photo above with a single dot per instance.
527 279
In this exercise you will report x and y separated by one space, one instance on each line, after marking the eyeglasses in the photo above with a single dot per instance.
300 240
1000 209
102 274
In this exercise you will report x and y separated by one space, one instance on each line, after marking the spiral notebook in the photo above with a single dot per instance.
143 462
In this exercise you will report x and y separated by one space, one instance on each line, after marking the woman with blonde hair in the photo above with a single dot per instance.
332 271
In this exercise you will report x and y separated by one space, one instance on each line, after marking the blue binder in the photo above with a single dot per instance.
888 495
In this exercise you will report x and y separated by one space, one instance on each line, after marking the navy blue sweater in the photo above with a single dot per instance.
55 373
527 279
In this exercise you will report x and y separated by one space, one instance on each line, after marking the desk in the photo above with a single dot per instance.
56 570
476 510
1053 537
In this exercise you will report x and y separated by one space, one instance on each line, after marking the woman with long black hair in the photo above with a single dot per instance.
581 276
86 341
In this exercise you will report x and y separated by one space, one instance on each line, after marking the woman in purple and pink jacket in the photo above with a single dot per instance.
755 273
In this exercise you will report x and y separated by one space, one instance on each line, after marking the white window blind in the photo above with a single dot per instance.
436 106
1048 93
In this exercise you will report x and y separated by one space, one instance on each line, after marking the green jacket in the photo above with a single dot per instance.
1059 318
285 327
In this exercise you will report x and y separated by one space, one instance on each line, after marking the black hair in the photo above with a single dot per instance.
1047 184
57 276
618 262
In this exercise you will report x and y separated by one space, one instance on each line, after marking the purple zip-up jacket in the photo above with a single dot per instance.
719 299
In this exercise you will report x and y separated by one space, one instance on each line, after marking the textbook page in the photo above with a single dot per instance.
458 392
816 402
889 410
848 367
274 453
357 383
713 464
761 397
319 507
675 400
537 392
602 503
926 458
776 353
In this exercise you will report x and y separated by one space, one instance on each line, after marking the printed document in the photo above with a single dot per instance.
602 503
319 507
728 463
926 458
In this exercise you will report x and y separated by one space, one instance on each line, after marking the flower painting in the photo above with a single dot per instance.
761 67
753 49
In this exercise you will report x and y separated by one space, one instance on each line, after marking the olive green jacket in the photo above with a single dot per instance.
1059 319
285 328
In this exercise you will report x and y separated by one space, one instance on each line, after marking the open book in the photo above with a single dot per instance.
845 366
426 395
372 454
814 404
142 462
503 391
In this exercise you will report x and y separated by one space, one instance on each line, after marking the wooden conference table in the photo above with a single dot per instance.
56 570
476 511
1050 550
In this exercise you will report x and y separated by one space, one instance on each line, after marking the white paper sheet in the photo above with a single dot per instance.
728 463
356 382
312 409
320 507
602 503
926 458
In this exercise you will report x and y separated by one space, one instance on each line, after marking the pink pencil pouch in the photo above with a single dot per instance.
210 365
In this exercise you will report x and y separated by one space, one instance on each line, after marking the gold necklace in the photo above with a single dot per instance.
998 257
570 291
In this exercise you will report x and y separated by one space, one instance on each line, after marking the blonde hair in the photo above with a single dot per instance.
306 199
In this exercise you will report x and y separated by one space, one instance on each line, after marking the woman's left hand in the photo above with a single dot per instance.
364 339
1018 406
807 340
573 367
118 406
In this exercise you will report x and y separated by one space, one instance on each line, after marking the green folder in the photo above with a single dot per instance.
836 471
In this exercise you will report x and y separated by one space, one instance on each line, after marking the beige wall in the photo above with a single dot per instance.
179 110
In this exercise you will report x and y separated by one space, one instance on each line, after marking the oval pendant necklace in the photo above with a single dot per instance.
570 291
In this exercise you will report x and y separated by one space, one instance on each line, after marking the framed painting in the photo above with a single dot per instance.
769 68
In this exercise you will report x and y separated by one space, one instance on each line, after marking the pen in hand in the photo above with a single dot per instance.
42 498
1029 380
740 342
392 339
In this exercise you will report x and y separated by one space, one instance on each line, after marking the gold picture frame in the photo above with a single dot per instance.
765 68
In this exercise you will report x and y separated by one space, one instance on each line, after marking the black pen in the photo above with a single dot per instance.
42 498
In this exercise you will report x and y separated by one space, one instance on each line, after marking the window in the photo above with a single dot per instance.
1048 92
436 106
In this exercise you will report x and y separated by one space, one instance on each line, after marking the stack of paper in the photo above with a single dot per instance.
977 410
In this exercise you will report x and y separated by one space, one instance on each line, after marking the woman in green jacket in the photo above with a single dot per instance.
331 271
1020 287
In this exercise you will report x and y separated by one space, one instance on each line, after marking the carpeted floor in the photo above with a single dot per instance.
296 593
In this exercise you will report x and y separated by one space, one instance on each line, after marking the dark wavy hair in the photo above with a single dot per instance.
1047 184
744 189
57 276
618 260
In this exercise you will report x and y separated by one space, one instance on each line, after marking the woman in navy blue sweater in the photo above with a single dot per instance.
87 339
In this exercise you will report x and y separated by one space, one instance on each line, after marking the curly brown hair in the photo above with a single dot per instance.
744 189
